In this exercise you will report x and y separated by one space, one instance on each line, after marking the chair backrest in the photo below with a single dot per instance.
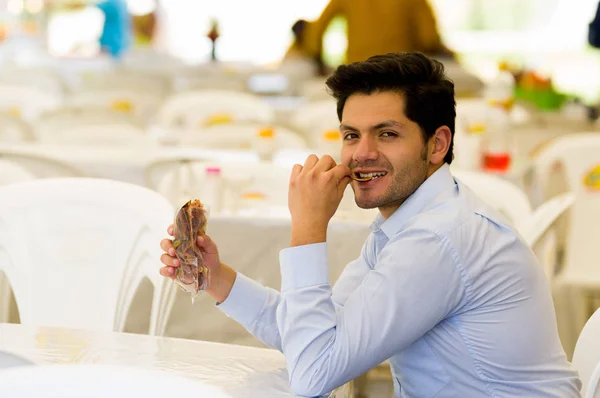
40 166
103 134
540 232
314 118
586 357
142 105
98 381
76 249
14 129
71 116
27 102
197 109
502 195
130 80
579 157
42 78
235 136
533 227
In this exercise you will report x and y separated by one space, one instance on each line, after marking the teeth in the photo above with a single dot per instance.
372 175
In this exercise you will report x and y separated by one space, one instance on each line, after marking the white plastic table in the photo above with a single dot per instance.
237 371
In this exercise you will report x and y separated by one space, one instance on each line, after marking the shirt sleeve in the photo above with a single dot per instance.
254 307
415 284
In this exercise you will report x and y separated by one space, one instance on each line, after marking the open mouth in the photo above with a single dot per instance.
368 176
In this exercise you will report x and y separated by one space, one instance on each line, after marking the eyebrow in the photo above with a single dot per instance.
382 125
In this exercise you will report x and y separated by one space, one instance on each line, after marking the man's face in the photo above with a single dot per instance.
378 138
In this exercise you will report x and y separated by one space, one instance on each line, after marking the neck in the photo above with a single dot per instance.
389 209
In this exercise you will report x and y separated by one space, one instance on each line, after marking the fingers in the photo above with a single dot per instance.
324 164
310 162
168 272
168 258
314 164
295 172
340 171
167 246
169 261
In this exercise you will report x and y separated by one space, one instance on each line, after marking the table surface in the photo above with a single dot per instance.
236 370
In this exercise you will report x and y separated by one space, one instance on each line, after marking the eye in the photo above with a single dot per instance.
350 136
389 134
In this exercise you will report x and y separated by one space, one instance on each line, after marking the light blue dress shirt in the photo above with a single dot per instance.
445 289
116 34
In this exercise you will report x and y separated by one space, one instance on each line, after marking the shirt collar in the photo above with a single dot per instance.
437 183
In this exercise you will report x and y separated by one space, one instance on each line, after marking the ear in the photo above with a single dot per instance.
439 145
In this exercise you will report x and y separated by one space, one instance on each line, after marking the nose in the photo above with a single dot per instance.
365 150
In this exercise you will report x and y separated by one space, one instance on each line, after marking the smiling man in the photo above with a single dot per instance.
444 287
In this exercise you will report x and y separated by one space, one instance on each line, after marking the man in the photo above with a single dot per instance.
378 27
444 288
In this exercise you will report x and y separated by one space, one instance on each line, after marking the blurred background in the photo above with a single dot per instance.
146 104
548 36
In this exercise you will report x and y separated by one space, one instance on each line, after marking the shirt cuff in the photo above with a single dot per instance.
245 300
303 266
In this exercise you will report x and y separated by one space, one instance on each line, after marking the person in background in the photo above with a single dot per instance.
298 53
444 287
378 27
296 50
144 28
116 37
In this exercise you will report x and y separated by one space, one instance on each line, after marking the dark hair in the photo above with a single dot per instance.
298 29
428 93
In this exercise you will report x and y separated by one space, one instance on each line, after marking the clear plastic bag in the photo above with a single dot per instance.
192 274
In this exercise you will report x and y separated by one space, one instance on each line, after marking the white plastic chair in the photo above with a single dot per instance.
235 136
104 134
10 173
40 166
14 129
208 77
16 168
586 358
196 109
502 195
539 230
99 381
313 118
69 116
579 156
130 78
27 102
544 216
41 78
141 104
75 250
